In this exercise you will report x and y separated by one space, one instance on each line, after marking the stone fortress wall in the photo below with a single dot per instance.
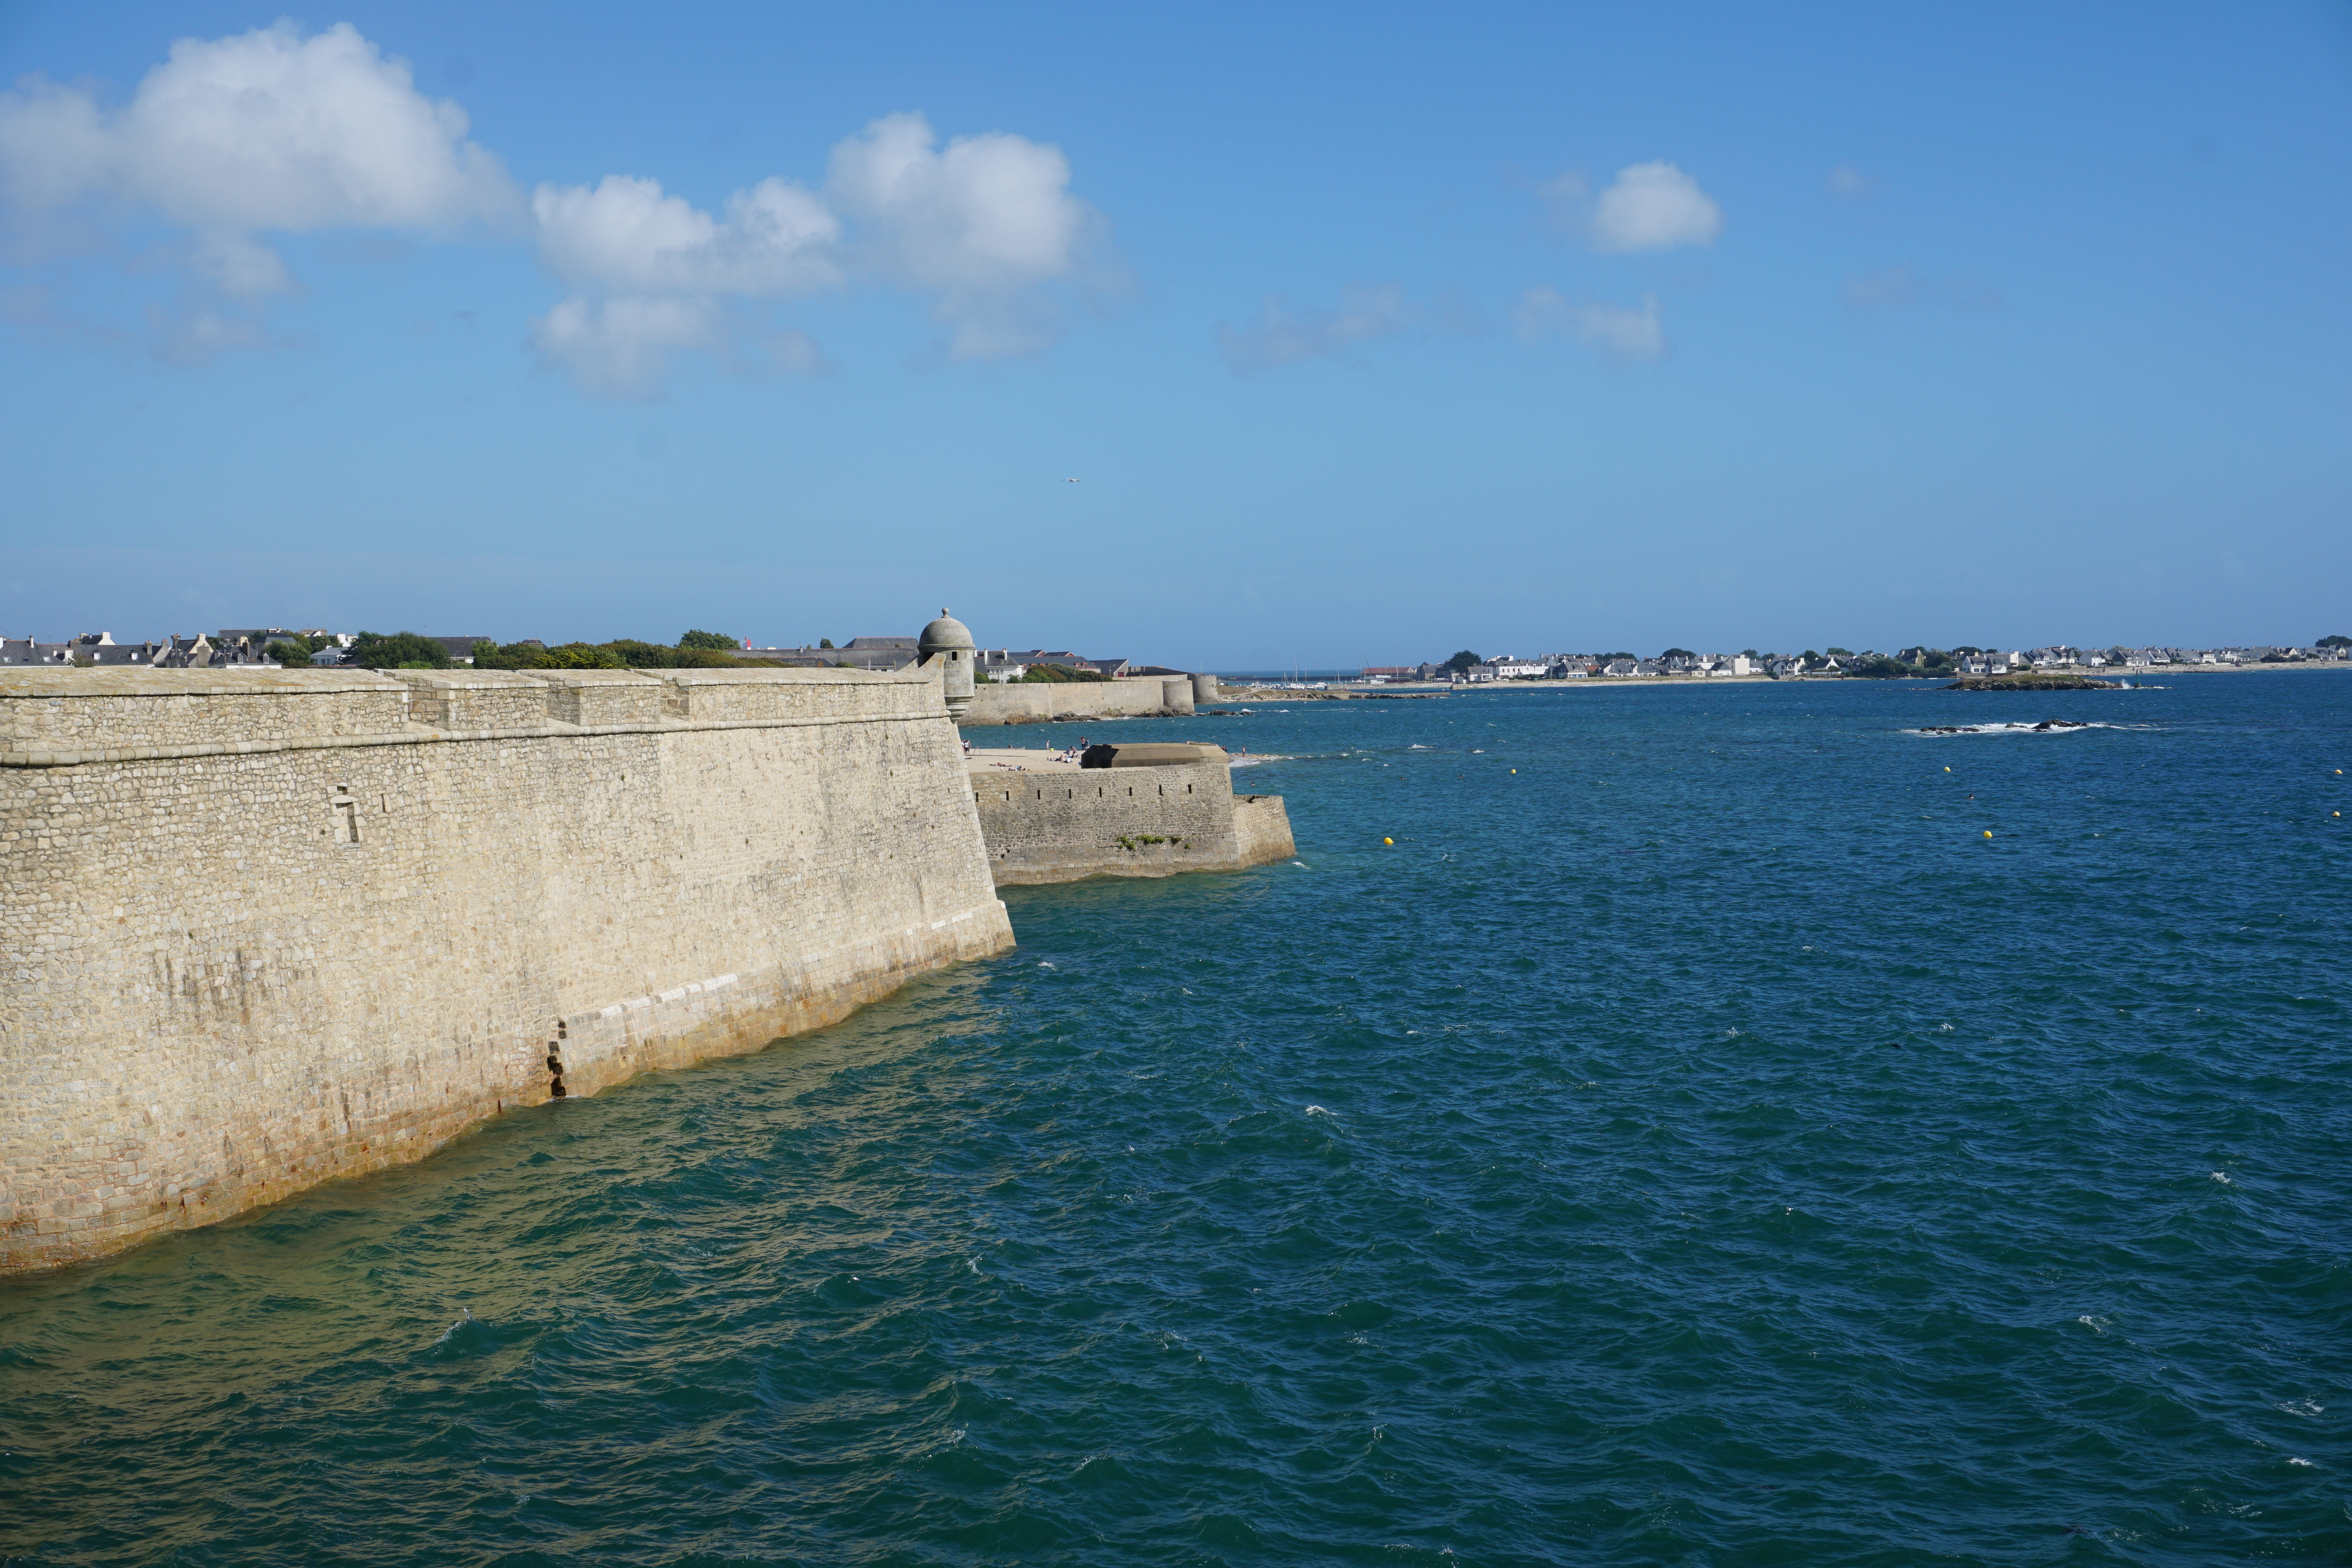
263 930
1130 696
1126 822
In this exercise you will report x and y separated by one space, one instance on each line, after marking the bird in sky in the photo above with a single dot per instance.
1069 481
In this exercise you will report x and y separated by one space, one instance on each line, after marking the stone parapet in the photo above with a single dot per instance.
1037 702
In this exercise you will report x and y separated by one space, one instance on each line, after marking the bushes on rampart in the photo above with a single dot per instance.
1057 675
622 653
396 651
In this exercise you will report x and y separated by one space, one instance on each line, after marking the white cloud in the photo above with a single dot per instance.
626 235
1283 335
232 141
264 131
1653 206
225 142
1618 331
985 225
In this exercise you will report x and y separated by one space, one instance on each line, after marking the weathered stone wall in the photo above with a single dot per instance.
263 930
1059 827
1027 702
1262 829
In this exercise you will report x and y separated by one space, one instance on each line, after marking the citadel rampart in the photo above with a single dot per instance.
1130 696
1125 821
263 930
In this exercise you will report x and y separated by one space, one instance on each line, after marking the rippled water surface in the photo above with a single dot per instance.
1693 1142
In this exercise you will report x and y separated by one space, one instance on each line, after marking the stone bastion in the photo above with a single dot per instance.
264 929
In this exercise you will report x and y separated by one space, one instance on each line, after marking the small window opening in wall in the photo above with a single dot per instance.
555 1090
345 808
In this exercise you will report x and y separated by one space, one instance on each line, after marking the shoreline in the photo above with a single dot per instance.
2153 672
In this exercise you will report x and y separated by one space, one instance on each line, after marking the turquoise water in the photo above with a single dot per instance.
1702 1146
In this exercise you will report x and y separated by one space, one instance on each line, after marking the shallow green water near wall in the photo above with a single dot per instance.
1701 1145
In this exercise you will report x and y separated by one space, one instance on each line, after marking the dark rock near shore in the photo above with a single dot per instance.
2028 684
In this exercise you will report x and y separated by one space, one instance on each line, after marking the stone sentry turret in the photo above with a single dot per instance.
947 643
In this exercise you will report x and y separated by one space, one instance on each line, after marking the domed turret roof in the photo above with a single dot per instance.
945 633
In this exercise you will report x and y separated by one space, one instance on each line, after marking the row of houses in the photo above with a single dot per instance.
1568 667
246 649
2058 656
1984 661
236 648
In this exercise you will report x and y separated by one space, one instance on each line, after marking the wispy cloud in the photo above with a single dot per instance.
1615 331
1851 183
623 347
1900 287
1284 334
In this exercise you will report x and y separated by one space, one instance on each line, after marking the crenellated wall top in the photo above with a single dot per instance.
62 717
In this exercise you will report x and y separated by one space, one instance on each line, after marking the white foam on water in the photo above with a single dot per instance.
2302 1408
2306 1464
1317 1110
2069 727
2096 1325
2219 1178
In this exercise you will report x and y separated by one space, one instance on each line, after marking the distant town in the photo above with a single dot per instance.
280 647
1469 668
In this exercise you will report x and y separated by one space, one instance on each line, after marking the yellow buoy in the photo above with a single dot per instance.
1988 833
1388 840
1947 770
1515 770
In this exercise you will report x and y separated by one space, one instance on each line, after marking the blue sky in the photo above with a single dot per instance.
1368 333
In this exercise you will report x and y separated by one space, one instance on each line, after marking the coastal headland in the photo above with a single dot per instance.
267 929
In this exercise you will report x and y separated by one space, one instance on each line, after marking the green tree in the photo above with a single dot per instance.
824 641
294 652
396 651
1678 654
1463 660
2337 641
1749 654
1841 653
709 640
513 656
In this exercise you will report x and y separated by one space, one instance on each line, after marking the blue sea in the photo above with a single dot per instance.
1694 1140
